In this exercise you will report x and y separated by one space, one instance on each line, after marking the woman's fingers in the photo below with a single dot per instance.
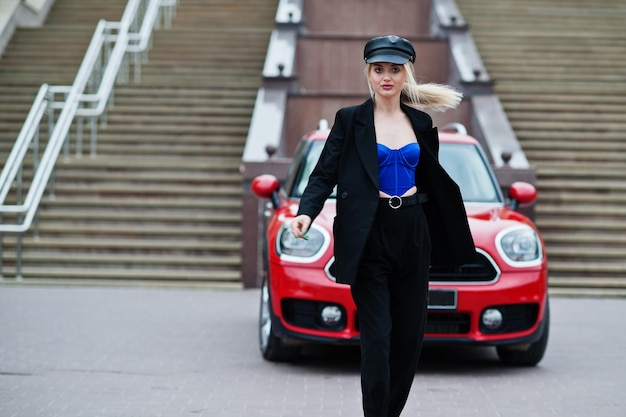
300 225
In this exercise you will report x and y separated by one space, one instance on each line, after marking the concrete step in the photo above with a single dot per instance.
597 254
601 137
566 197
540 157
564 108
137 202
104 189
613 271
123 245
596 225
146 176
129 260
564 98
145 94
65 275
163 163
584 239
581 210
143 231
227 150
590 186
600 121
142 215
598 282
547 88
574 145
586 170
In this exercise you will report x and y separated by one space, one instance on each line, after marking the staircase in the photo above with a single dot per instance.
160 203
560 71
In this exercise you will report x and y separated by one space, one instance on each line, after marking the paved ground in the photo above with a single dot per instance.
135 352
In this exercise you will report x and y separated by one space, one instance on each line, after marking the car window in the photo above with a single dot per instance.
293 174
307 164
467 166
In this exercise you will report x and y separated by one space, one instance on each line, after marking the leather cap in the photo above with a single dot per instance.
389 48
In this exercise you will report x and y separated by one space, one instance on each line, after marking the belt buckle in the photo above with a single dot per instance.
395 202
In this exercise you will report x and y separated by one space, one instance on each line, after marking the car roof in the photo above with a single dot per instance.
444 137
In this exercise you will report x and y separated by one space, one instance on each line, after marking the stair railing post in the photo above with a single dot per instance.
94 136
20 184
18 257
18 243
36 150
50 95
79 136
36 226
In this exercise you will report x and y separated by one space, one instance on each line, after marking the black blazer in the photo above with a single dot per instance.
349 160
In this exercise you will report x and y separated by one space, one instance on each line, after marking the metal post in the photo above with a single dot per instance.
66 148
94 136
137 64
50 113
18 257
20 184
36 227
79 136
36 151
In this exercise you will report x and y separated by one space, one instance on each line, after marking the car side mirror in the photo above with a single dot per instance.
266 186
522 193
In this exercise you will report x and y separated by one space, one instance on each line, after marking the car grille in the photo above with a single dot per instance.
447 323
484 270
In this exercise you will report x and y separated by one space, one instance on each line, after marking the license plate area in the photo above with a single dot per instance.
442 299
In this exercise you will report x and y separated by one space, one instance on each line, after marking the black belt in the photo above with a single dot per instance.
396 202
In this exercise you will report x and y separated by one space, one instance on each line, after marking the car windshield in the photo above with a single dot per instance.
467 166
465 163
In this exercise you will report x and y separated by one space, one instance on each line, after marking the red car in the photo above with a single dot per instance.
501 300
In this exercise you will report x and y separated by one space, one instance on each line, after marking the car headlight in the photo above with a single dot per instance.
520 246
293 249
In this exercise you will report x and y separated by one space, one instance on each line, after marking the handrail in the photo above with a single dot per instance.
101 65
23 141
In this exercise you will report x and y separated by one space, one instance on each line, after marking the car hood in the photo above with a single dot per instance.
498 214
485 220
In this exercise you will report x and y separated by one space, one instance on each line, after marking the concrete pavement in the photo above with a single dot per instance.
134 352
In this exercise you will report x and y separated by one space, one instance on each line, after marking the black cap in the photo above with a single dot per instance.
390 48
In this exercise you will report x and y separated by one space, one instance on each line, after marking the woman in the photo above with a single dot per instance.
398 212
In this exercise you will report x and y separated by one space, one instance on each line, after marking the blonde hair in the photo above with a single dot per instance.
437 97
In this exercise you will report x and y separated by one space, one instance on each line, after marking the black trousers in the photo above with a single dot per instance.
391 296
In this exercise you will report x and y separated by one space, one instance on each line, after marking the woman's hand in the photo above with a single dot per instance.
300 225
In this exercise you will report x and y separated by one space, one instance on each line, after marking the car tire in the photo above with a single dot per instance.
531 354
272 347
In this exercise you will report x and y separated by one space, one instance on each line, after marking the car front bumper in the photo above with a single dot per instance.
300 293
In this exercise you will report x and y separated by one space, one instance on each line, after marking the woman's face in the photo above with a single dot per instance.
387 79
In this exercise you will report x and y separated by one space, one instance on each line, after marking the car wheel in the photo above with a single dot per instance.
272 347
527 355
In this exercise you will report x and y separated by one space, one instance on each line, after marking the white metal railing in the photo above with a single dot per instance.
105 62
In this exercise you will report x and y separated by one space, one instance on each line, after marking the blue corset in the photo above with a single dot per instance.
396 168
